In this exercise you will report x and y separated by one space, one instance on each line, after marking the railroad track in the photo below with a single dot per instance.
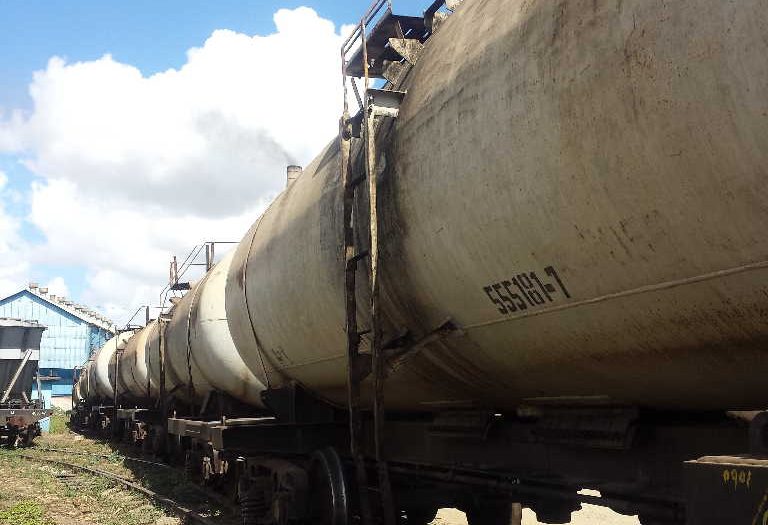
213 496
181 510
105 456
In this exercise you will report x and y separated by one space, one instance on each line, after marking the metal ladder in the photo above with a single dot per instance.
386 52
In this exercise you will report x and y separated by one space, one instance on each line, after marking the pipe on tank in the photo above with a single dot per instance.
292 173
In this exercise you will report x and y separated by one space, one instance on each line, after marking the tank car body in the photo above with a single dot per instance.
200 355
80 390
101 374
579 186
133 369
211 347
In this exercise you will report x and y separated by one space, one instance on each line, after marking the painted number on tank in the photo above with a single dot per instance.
526 290
737 478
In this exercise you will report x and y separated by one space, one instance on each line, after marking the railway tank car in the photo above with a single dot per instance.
605 168
201 355
100 372
200 360
567 239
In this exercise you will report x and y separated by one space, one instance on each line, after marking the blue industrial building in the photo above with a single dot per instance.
73 333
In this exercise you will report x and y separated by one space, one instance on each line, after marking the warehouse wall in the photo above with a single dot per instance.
68 340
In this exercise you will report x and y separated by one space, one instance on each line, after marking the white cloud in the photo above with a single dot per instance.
126 250
58 287
224 125
136 168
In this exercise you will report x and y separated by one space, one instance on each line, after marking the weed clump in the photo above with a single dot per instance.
25 512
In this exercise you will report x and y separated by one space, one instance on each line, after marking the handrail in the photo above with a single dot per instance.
367 18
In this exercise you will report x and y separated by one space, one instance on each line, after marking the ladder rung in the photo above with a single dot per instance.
385 98
357 257
356 123
357 180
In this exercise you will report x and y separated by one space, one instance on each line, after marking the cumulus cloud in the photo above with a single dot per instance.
224 125
126 250
57 286
134 168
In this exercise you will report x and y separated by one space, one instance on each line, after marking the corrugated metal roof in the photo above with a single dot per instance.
12 321
77 310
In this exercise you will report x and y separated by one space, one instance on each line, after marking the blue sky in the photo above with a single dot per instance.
151 36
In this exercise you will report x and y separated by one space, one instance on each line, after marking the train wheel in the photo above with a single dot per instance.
328 490
254 505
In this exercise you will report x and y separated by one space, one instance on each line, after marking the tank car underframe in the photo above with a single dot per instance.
668 468
19 426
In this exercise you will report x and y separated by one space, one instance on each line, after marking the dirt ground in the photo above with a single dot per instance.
588 515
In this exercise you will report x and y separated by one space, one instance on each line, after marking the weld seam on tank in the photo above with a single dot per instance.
761 265
245 294
193 304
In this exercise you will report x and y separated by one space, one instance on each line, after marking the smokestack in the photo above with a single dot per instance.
293 173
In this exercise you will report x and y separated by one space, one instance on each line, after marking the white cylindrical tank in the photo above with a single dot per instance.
88 381
101 382
212 349
173 383
194 385
133 367
201 356
81 387
580 187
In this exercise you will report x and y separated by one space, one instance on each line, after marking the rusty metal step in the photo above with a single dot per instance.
378 44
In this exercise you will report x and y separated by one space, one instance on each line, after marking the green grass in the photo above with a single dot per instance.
77 497
58 421
81 497
25 512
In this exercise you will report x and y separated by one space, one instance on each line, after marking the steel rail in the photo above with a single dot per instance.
213 496
105 456
173 505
